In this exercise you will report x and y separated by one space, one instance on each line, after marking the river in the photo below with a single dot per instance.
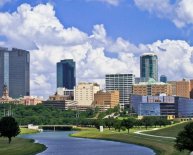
59 143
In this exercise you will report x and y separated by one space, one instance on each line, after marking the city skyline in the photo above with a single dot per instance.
98 41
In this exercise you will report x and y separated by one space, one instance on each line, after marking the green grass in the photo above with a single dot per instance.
27 131
170 131
160 145
20 146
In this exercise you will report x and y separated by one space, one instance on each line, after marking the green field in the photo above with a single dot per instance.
160 145
20 146
170 131
27 131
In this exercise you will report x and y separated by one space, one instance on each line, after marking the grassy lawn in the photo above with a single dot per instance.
170 131
27 131
160 145
20 146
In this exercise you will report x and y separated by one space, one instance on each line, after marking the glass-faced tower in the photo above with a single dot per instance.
149 66
66 74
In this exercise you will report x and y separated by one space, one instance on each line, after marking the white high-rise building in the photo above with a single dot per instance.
123 83
84 93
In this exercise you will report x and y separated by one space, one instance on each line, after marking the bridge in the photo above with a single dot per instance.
52 127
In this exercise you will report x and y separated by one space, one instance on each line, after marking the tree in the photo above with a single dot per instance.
117 125
9 127
184 140
128 123
109 122
148 121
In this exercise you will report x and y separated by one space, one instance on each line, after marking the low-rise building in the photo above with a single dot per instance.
173 106
31 100
152 88
106 99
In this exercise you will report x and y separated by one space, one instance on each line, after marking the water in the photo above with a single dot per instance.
59 143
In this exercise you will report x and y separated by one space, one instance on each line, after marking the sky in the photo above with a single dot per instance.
102 36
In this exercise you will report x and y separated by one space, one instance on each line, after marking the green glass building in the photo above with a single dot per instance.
149 67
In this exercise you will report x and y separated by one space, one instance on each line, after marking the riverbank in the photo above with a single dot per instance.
20 146
160 145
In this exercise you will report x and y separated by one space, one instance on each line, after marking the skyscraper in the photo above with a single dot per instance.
15 71
66 74
123 83
163 78
149 66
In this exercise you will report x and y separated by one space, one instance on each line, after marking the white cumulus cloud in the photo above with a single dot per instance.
180 12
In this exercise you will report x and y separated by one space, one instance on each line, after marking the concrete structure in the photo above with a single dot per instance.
123 83
84 93
66 74
15 71
183 88
59 104
66 92
149 66
152 88
106 99
163 78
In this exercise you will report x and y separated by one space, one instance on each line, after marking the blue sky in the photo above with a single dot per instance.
125 20
102 36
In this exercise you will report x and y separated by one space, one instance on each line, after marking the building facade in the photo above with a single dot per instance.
123 83
15 71
183 88
149 66
177 107
152 88
66 74
84 93
153 105
106 99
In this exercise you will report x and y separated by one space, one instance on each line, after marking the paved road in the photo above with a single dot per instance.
145 134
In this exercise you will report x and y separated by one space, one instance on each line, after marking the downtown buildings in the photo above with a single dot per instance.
15 72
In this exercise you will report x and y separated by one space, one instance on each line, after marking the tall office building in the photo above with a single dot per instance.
66 74
163 78
149 66
15 72
123 83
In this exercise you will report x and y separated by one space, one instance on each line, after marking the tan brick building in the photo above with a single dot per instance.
106 100
152 88
84 93
183 88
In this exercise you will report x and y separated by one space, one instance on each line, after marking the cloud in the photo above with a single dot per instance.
38 30
180 12
111 2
